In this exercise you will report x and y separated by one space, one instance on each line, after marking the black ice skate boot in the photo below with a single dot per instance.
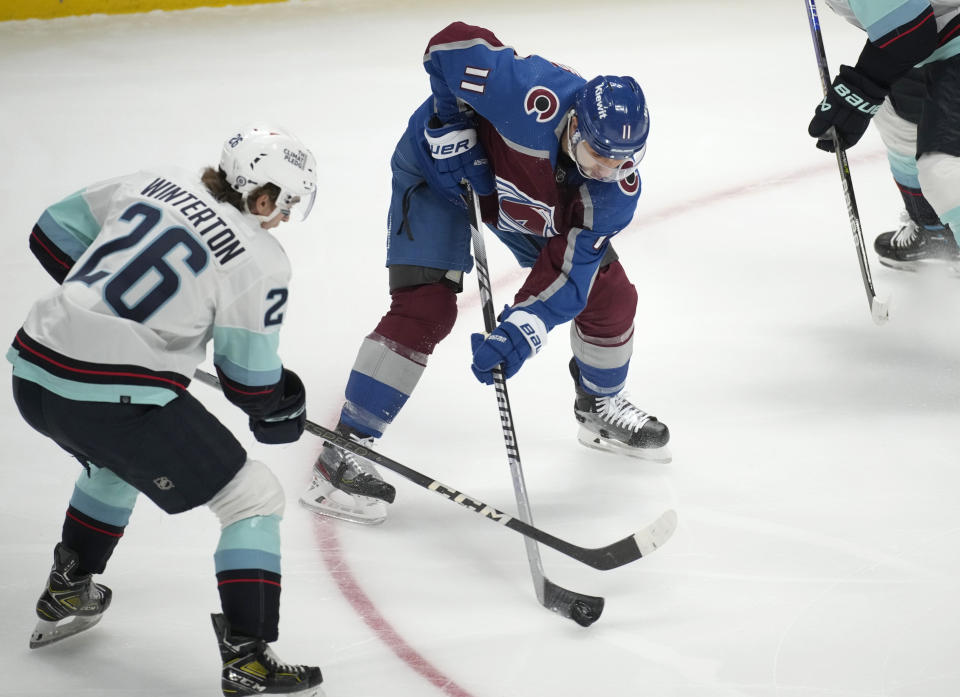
251 668
346 486
913 247
614 424
70 603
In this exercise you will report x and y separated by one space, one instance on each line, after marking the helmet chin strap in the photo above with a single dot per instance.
572 142
259 222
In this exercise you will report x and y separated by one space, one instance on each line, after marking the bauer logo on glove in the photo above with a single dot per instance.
846 109
458 157
452 143
531 335
518 337
854 100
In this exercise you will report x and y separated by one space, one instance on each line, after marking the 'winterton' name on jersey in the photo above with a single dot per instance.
223 243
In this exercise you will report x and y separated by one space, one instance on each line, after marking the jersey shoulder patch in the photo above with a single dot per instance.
609 207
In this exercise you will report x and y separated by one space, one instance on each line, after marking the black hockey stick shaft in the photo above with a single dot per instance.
614 555
878 310
583 609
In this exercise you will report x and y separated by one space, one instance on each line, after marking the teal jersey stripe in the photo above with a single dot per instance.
247 357
952 218
65 241
74 217
251 543
102 495
254 533
948 50
88 392
904 169
880 17
231 559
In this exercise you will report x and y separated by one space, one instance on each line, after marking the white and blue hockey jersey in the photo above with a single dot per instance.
153 268
902 33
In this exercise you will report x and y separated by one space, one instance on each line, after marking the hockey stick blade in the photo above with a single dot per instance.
582 609
612 556
579 607
880 311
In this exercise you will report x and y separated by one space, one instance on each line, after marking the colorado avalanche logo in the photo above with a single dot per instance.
520 213
543 102
630 184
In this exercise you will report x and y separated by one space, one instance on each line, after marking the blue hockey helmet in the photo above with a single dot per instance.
612 118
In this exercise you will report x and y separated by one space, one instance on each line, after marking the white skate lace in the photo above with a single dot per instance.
356 466
907 233
278 665
618 411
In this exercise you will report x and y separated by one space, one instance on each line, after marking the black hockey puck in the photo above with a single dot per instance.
583 614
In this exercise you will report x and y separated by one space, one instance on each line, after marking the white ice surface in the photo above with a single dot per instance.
815 454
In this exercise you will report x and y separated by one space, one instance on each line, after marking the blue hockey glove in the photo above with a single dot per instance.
284 424
847 108
518 337
458 157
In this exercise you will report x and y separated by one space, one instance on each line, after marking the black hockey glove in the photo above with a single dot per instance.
847 108
284 424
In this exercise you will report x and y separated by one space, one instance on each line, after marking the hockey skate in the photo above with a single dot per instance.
70 603
615 425
348 487
251 668
914 248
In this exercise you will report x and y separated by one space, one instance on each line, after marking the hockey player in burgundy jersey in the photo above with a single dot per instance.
553 158
907 78
151 267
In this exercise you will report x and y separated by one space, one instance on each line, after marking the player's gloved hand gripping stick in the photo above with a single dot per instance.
611 556
520 335
846 125
458 157
286 423
846 110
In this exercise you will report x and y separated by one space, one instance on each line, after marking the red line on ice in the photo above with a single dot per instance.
326 535
326 530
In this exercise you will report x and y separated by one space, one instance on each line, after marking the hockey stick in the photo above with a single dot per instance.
582 609
879 311
629 549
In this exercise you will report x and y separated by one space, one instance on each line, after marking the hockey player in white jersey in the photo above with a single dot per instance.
907 79
152 266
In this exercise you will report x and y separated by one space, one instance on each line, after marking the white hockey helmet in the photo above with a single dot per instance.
260 155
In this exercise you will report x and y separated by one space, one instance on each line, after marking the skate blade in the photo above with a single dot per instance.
325 499
46 633
597 442
315 691
931 267
230 687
